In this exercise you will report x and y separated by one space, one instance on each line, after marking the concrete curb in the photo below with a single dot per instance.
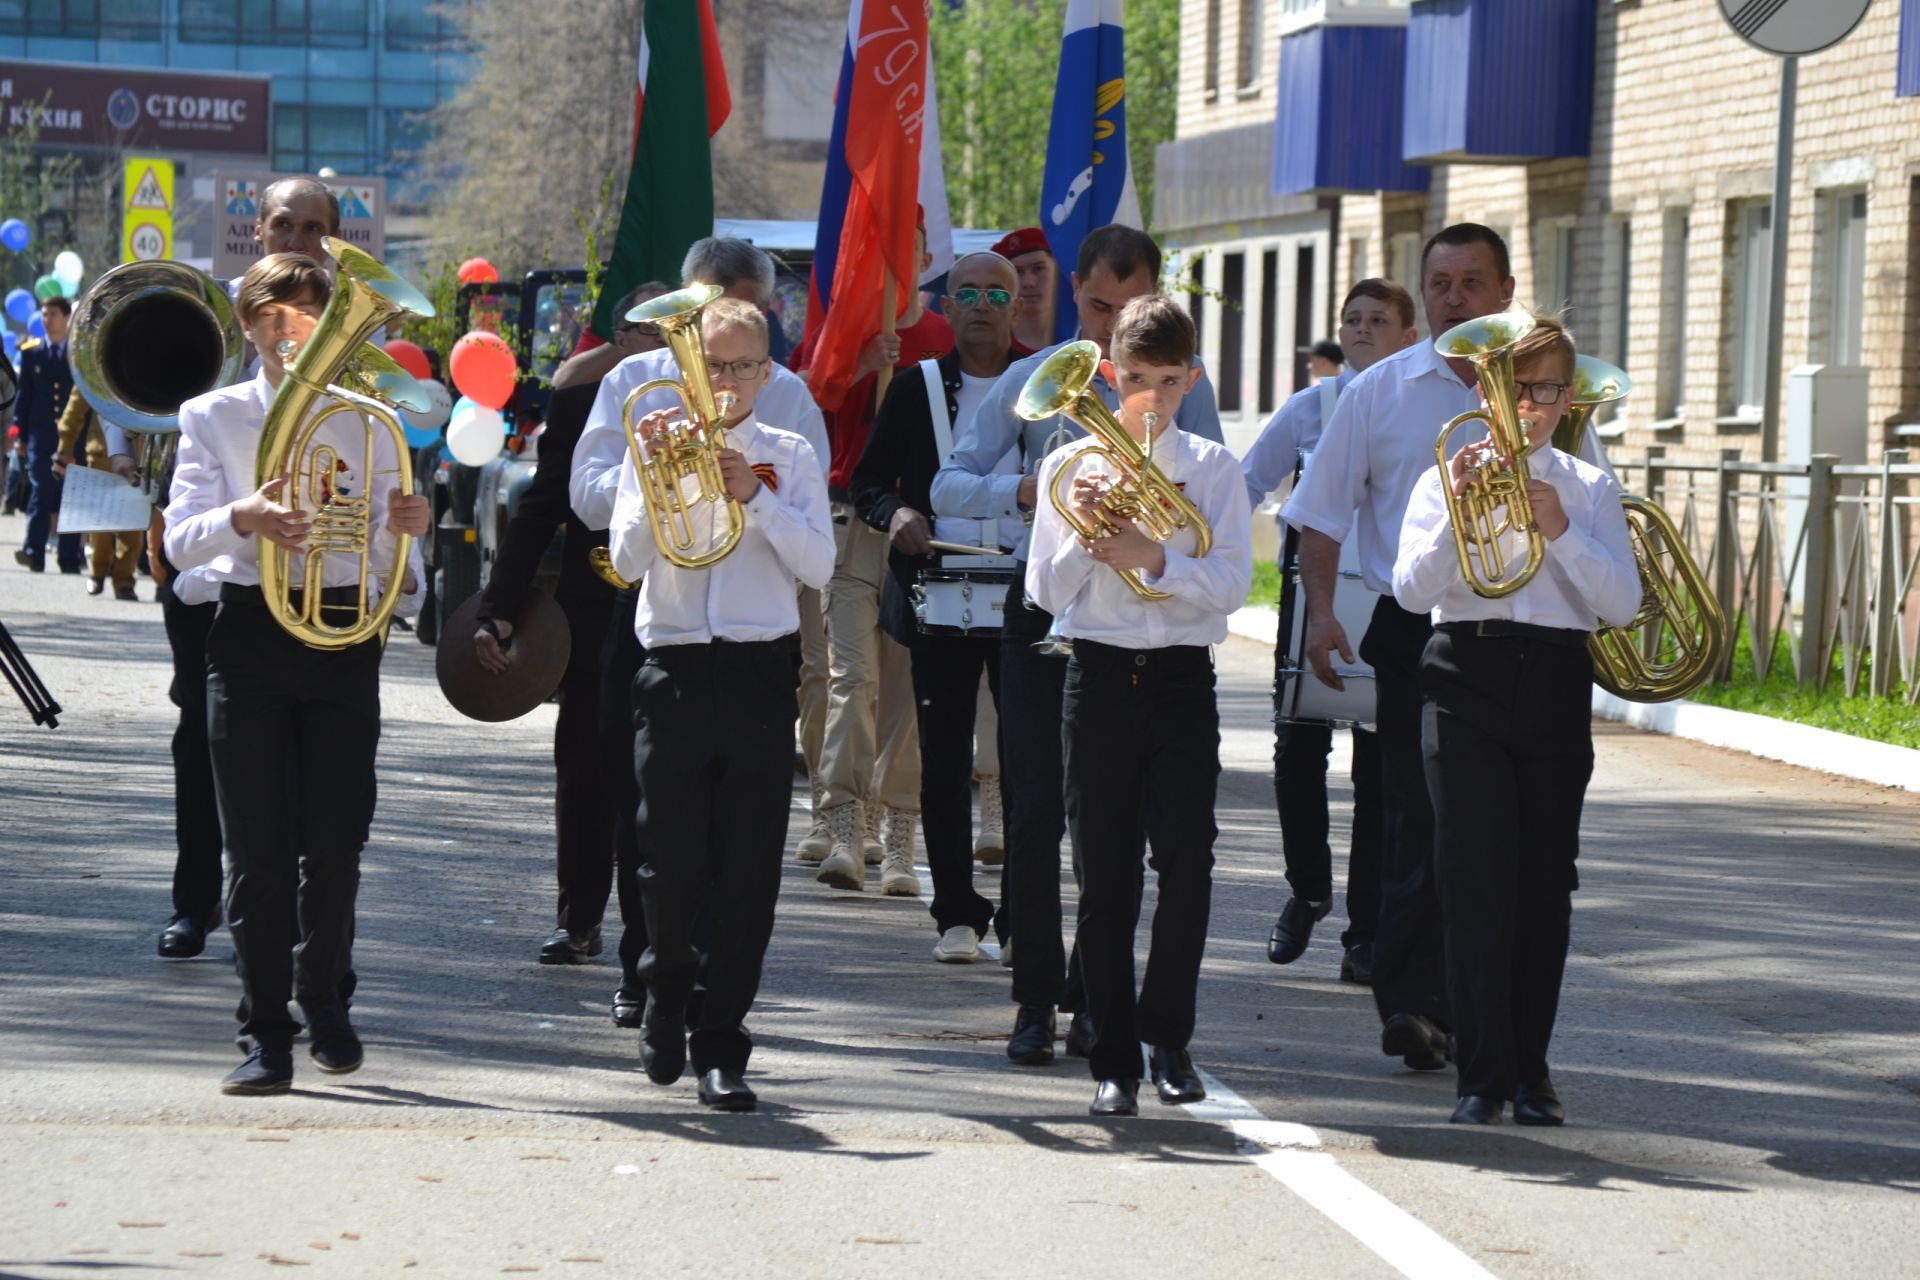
1801 745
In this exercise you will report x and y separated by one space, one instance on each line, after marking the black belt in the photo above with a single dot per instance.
244 593
1505 629
1095 656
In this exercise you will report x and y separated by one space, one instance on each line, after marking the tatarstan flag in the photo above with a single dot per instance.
669 201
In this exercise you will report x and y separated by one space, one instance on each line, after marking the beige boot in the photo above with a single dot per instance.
870 811
818 842
990 839
844 868
897 879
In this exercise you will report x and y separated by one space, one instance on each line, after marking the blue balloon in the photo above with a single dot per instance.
14 235
20 305
418 437
36 327
10 342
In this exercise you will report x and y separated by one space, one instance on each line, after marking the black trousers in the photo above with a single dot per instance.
713 752
196 808
583 794
1409 963
1508 742
620 658
1142 744
1300 751
1032 782
293 732
946 688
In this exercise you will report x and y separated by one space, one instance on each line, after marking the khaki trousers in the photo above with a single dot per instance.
871 749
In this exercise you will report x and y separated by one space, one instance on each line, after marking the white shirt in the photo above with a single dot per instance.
1589 570
1378 445
1293 429
967 484
214 469
1092 602
600 457
748 595
1002 532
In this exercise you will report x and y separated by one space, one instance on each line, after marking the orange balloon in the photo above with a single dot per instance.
410 357
483 368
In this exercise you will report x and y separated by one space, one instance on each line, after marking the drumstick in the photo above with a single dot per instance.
962 549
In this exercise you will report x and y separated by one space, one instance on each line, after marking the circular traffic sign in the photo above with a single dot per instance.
1792 28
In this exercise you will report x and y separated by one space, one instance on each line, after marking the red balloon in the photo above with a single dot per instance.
483 368
410 357
478 271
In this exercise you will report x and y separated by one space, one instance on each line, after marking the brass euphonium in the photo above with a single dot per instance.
691 451
1138 490
337 365
1675 642
1495 502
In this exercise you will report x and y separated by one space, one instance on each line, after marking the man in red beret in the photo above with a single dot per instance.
1039 277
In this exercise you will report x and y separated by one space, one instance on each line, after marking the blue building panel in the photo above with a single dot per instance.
1498 81
1338 123
1907 70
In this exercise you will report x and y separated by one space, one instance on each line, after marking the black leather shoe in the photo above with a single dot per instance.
1294 929
182 939
335 1047
628 1004
724 1090
1080 1035
125 593
1031 1044
1174 1078
264 1071
35 564
1116 1098
1538 1104
1415 1041
663 1044
564 947
1477 1108
1357 965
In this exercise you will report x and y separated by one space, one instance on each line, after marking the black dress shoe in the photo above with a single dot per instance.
335 1047
1415 1041
1477 1108
566 947
628 1006
96 585
663 1044
1116 1098
1538 1104
125 593
265 1071
724 1090
1080 1035
1294 928
1174 1078
1357 965
182 939
35 564
1031 1044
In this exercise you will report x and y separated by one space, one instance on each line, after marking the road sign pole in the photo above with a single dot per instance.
1777 262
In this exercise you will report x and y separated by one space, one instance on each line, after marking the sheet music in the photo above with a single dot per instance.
101 502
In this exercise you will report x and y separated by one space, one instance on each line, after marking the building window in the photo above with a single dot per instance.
312 138
420 24
1212 37
1553 265
1248 77
1269 327
289 136
1842 274
1303 321
1197 301
322 24
1233 301
1749 258
1671 392
82 19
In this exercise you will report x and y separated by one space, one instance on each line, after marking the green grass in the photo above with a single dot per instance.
1882 719
1266 586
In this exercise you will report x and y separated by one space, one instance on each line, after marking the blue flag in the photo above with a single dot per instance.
1089 176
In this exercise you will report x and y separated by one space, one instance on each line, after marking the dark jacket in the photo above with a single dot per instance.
544 508
45 384
896 469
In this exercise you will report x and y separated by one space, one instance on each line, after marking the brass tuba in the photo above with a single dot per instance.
146 338
336 364
1676 641
1495 502
691 451
1140 492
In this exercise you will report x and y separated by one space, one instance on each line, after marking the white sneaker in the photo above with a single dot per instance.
844 868
990 840
897 878
958 945
818 842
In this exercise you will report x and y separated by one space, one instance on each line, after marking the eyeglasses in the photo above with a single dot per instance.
969 299
744 370
641 330
1540 392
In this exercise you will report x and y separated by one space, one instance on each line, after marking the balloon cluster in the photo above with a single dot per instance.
23 306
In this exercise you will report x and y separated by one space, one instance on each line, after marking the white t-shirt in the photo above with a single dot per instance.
978 533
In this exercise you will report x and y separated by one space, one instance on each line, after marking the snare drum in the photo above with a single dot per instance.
964 596
1298 693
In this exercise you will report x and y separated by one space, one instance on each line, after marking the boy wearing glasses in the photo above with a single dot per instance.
925 408
1507 738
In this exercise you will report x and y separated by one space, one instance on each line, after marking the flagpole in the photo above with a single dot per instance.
886 326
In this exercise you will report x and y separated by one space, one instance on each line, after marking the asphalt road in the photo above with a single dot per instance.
1738 1046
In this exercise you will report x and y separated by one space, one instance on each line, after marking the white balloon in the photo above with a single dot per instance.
438 410
474 436
67 267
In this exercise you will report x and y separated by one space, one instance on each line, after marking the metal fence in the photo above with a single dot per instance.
1820 555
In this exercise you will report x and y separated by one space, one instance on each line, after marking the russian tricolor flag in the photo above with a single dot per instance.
1089 177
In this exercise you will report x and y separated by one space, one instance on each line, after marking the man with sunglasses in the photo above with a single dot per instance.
925 409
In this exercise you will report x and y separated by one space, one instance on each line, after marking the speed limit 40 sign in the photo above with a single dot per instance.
147 239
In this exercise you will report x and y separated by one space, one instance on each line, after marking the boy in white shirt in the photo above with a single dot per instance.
1507 737
1140 725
